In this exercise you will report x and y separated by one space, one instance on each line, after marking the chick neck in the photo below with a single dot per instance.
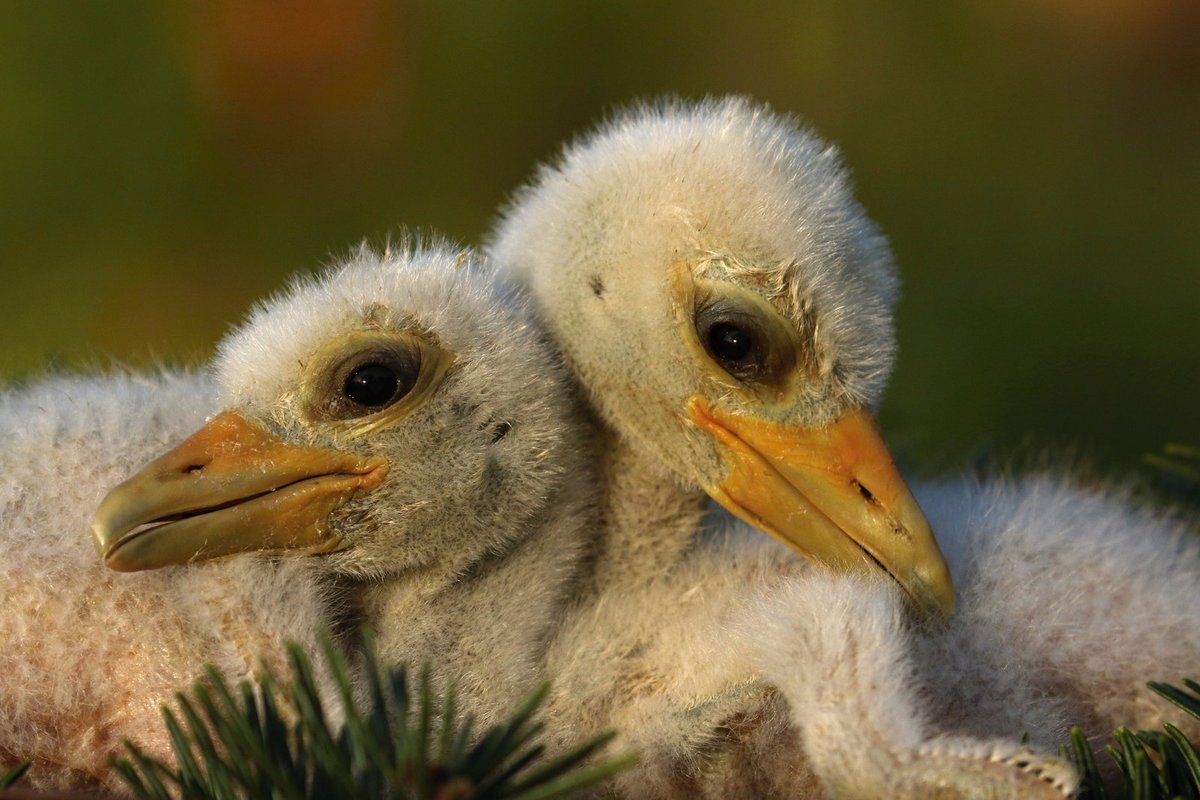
484 623
648 518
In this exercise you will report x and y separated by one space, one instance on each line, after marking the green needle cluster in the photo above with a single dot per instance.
407 746
1152 764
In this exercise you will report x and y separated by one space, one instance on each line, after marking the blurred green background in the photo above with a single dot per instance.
1036 164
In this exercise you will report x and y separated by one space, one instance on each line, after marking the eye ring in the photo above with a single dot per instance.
738 337
370 378
365 375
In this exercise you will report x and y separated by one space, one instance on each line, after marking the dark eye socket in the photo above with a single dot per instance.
372 385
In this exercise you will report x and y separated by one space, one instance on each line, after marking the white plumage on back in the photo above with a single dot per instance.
90 655
1071 599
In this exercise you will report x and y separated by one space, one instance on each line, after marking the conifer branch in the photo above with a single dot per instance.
407 746
1153 765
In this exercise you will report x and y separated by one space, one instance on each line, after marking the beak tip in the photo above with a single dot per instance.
936 599
117 565
100 535
106 539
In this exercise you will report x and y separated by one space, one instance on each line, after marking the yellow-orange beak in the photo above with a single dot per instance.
229 488
832 493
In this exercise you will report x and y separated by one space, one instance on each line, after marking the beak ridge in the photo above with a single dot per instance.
230 487
833 493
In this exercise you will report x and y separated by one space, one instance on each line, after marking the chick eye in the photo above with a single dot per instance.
735 344
730 344
371 381
372 385
738 337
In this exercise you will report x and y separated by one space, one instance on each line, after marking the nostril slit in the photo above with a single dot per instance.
889 518
193 468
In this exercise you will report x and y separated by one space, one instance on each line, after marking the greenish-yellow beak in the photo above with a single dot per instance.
832 493
229 488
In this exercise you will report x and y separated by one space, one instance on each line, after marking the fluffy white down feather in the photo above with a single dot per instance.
1071 597
90 655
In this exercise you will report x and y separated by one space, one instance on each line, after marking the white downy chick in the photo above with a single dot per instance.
405 423
726 305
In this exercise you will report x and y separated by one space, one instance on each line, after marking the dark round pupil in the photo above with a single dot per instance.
728 342
372 385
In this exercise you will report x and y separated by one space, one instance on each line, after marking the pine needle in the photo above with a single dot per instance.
1153 765
13 775
1177 468
408 746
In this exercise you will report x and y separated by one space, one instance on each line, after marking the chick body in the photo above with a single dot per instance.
91 655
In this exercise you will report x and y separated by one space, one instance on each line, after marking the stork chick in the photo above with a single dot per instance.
397 421
726 305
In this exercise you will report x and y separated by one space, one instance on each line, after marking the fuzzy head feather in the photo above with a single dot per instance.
725 194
